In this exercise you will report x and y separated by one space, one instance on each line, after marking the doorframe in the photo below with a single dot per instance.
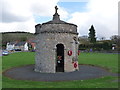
63 57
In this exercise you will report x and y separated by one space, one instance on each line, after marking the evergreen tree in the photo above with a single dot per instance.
92 37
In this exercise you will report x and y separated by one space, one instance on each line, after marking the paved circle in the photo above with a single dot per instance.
85 72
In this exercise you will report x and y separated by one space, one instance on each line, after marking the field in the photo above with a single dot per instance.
109 61
106 60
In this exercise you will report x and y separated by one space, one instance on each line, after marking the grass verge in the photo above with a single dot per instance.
24 58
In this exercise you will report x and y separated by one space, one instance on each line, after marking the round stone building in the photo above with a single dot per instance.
56 46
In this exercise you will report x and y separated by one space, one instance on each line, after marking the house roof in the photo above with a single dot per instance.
20 44
32 40
12 43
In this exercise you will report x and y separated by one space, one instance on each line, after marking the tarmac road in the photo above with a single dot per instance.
85 72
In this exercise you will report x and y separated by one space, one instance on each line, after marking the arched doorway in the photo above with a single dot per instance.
60 58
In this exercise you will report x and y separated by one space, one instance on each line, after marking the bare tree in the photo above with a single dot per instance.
102 38
84 40
116 39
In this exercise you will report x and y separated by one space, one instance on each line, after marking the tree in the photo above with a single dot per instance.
92 37
83 40
23 38
115 39
15 36
106 45
102 38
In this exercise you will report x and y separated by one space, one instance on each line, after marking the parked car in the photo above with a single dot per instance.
17 49
5 53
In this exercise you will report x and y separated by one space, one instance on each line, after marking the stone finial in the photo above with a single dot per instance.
56 15
56 8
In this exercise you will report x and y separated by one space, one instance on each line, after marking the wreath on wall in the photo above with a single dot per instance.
69 52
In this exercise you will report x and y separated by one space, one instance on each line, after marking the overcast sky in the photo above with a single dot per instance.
23 15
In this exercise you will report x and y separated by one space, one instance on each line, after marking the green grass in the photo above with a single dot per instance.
24 58
94 83
109 61
17 59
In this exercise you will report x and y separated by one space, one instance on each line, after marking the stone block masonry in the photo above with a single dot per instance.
54 40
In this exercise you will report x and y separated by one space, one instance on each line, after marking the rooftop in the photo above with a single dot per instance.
56 19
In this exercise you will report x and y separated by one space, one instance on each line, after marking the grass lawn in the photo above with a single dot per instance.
109 61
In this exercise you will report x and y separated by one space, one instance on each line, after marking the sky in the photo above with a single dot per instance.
23 15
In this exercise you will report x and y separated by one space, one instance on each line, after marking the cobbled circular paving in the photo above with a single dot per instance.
85 72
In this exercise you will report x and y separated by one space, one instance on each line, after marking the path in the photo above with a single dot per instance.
85 72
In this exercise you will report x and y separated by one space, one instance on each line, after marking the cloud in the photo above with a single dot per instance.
28 26
8 17
14 11
18 15
103 14
43 7
27 8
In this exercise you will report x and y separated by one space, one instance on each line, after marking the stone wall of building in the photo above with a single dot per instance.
46 48
48 36
56 28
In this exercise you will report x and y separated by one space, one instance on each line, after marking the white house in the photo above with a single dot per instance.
21 46
10 46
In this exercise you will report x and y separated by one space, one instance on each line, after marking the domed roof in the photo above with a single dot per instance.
56 19
56 26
